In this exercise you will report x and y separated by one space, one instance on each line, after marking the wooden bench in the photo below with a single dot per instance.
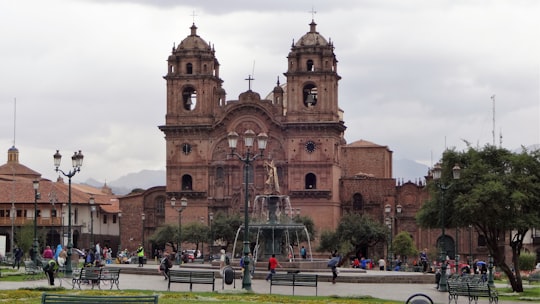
90 275
472 288
111 276
294 279
191 277
65 298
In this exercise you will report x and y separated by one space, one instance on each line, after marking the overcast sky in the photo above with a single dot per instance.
417 75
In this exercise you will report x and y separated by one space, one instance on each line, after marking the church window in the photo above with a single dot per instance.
310 95
189 98
482 240
189 68
310 66
160 205
187 182
358 201
219 173
311 181
205 68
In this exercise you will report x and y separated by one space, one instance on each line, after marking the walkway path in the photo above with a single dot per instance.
151 280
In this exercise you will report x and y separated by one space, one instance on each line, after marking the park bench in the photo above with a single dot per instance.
32 271
294 280
534 277
66 299
110 276
90 275
471 287
191 277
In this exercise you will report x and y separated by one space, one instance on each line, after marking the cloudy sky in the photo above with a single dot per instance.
417 75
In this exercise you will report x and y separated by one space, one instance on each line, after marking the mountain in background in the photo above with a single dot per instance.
404 170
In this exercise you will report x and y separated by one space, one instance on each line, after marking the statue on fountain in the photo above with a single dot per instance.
271 185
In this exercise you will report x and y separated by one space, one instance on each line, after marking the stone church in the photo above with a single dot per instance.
323 175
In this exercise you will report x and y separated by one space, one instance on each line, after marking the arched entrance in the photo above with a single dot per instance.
447 246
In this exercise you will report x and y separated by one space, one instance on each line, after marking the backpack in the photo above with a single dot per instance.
227 260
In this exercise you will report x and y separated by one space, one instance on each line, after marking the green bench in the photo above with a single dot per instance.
534 277
89 275
32 271
66 299
191 277
294 280
471 287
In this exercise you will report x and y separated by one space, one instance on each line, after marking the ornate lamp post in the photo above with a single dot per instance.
249 138
183 205
119 233
143 217
76 162
35 245
92 210
211 243
389 221
437 172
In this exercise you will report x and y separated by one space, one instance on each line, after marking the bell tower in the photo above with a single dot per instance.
312 79
193 83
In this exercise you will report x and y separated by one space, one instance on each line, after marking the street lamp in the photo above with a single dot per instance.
389 221
183 205
35 245
143 217
119 233
211 243
92 210
437 172
249 138
76 162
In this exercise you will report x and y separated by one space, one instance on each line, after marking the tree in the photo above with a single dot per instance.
310 226
403 245
353 233
225 226
195 233
498 194
165 235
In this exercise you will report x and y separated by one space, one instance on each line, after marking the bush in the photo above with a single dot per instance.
526 261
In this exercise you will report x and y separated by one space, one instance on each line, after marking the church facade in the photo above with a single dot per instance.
323 175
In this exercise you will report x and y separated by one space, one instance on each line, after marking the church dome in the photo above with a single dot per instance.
312 38
193 41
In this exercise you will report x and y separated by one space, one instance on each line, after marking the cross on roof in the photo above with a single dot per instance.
249 79
313 12
193 16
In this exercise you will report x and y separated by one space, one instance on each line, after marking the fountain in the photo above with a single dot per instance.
271 220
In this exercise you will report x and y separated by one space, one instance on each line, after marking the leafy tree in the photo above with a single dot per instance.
353 233
498 192
165 235
195 233
310 226
403 245
225 226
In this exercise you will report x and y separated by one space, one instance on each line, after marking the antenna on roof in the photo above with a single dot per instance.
493 129
14 118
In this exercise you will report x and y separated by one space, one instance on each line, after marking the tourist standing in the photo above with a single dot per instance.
382 264
18 253
48 253
424 260
140 254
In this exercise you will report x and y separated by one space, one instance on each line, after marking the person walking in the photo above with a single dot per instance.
17 253
333 264
140 254
165 265
303 253
272 264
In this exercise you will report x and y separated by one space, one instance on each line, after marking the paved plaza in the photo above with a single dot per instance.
148 278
